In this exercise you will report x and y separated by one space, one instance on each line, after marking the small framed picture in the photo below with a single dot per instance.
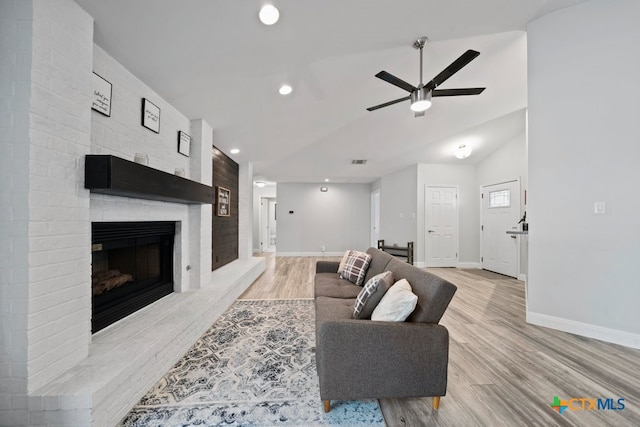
223 196
101 97
150 115
184 143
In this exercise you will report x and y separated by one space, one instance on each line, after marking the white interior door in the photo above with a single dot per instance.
441 226
500 213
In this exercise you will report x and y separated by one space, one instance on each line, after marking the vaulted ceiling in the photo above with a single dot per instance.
213 59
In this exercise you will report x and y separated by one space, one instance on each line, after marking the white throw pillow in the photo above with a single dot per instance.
397 304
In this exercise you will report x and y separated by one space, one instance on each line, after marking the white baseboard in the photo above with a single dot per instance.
469 265
522 277
420 264
614 336
309 253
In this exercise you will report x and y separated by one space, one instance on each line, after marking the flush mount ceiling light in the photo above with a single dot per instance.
269 14
260 184
234 151
463 151
285 90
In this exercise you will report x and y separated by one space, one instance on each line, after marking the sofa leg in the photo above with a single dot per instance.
327 405
436 402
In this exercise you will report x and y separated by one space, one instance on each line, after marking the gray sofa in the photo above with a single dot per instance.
364 359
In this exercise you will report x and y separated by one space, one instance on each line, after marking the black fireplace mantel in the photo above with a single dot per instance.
112 175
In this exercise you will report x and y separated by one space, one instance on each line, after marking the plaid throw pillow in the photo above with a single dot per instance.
371 294
356 267
343 261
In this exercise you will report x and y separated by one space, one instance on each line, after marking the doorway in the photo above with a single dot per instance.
500 213
441 226
268 229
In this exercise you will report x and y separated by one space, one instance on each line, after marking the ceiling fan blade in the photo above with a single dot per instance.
453 68
458 92
386 104
390 78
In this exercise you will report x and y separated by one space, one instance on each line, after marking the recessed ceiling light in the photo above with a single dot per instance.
234 151
285 90
260 183
269 14
326 180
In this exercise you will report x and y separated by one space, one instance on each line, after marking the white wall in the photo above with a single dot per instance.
15 92
44 228
583 148
465 177
507 163
122 135
338 219
398 207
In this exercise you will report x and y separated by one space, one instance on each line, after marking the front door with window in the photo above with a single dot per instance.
500 213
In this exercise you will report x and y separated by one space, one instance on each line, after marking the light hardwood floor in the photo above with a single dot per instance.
502 371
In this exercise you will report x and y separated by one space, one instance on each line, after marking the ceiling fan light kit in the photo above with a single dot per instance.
420 100
421 96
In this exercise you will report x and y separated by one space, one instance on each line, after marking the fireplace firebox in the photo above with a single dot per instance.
132 266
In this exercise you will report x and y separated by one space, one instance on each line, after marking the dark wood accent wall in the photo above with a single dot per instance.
224 241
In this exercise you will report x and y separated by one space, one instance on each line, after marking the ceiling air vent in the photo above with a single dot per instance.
359 162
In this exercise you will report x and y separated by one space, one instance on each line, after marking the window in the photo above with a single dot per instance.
500 199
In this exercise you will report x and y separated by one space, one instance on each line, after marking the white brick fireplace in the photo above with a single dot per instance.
52 370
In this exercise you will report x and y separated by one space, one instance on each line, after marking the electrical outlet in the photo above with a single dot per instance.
599 207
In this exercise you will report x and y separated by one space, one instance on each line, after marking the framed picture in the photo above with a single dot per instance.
184 143
223 196
150 115
101 97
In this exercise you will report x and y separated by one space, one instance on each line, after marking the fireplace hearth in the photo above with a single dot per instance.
132 267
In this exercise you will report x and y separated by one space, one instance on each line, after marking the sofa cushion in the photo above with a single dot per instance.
371 294
378 264
330 285
355 267
434 293
328 308
397 304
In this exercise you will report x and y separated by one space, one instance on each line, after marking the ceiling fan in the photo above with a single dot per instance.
421 96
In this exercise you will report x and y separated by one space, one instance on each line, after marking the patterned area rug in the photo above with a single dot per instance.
254 366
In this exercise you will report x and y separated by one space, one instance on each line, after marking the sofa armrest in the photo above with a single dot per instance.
359 359
327 266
